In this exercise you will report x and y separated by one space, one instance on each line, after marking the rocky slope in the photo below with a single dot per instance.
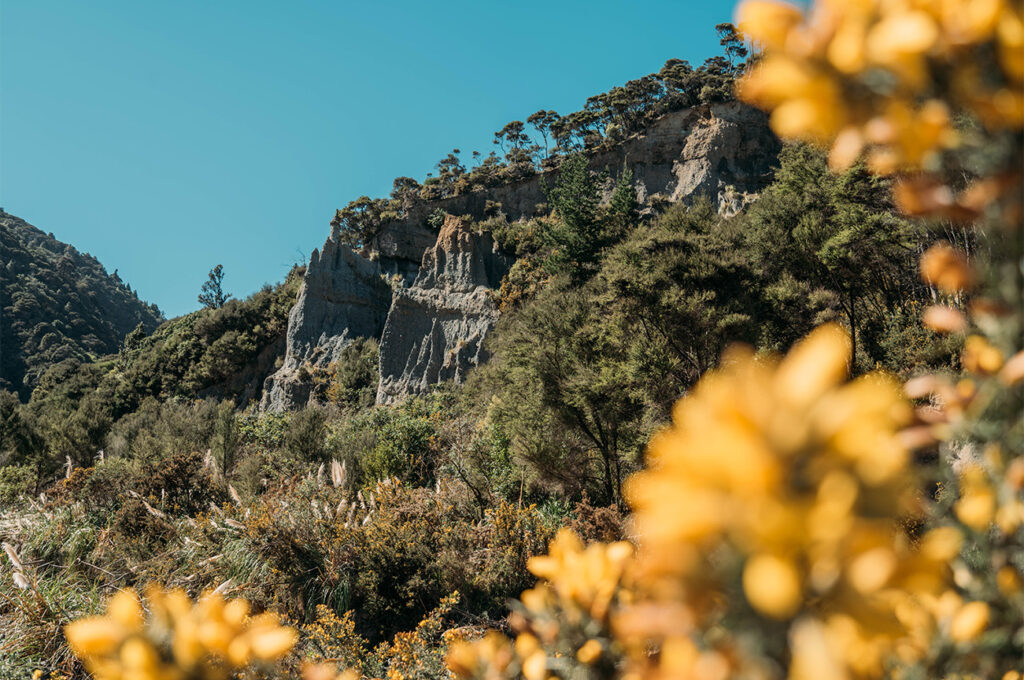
57 303
434 327
723 151
343 296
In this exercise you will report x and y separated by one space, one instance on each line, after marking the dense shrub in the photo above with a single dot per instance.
17 483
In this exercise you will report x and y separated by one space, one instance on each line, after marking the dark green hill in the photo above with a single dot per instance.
57 303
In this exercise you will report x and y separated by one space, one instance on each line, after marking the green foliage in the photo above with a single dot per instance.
587 366
830 246
681 289
436 219
138 405
19 441
17 482
357 223
558 388
58 304
227 437
265 430
575 237
306 437
212 295
405 442
622 207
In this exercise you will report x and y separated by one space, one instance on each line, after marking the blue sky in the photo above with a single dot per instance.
167 137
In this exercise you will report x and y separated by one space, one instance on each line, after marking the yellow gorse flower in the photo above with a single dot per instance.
858 75
580 589
176 639
797 475
581 577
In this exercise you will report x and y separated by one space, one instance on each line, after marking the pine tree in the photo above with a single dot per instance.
212 295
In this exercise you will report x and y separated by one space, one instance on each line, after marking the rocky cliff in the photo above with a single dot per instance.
723 151
433 329
343 296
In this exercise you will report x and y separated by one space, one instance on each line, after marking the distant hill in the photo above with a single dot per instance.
57 303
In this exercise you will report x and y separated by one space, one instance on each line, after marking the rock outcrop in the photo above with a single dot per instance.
437 318
436 328
724 152
343 296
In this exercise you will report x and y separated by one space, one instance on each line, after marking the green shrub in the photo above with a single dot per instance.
183 485
356 375
266 430
306 438
17 483
406 443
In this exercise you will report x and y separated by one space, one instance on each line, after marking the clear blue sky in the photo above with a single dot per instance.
167 137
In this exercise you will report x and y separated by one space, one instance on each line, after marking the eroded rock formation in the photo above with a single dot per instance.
436 328
433 329
343 296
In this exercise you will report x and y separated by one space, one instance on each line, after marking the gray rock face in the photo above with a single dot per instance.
436 328
342 297
724 152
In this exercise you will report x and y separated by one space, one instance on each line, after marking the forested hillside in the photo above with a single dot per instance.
58 304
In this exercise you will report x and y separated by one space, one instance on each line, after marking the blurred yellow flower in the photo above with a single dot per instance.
583 577
767 23
773 586
980 356
969 621
589 652
946 268
977 505
822 75
205 641
792 470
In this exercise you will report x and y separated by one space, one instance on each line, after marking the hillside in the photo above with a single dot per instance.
57 304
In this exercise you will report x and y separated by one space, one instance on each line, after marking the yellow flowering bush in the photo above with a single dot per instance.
332 644
176 639
860 74
564 624
783 482
936 87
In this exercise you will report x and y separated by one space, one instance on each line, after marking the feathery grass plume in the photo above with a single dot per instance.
17 574
153 511
337 473
234 495
12 555
223 587
209 463
68 466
